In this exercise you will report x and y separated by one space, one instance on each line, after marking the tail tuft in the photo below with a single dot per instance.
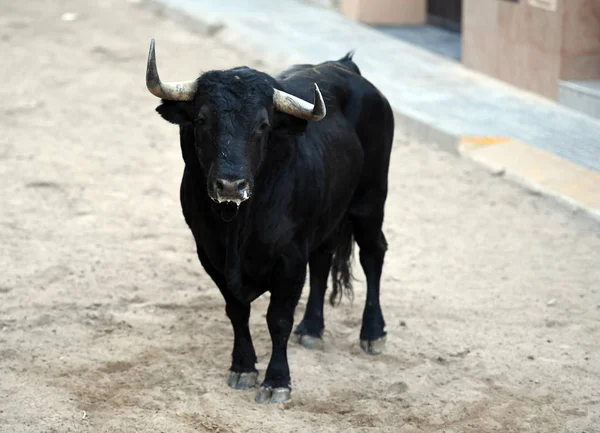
347 57
341 267
348 62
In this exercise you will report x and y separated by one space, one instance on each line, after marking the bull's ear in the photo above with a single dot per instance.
176 112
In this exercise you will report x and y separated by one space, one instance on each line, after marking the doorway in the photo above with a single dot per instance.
441 34
446 14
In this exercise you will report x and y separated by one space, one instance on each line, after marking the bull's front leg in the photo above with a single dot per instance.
243 373
276 387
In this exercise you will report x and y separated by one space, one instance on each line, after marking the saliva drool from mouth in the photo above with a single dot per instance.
229 210
229 207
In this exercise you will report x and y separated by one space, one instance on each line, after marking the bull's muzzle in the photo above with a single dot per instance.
234 191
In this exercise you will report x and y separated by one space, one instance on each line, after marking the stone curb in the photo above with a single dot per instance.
572 186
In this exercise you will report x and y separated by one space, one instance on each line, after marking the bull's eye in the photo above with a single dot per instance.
200 121
263 126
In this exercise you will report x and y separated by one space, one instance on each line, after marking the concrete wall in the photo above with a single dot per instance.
384 12
531 47
581 40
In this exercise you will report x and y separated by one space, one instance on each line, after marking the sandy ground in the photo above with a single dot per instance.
109 324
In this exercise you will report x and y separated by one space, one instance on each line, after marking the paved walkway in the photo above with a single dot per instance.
443 42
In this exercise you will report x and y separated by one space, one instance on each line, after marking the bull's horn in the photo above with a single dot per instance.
297 107
181 91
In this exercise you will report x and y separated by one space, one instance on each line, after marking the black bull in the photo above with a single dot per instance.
268 188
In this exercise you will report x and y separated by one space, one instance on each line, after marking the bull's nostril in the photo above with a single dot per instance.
242 186
219 186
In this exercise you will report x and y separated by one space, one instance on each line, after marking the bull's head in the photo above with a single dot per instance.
232 114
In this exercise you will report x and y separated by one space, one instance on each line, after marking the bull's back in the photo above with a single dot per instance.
354 139
362 107
371 116
346 91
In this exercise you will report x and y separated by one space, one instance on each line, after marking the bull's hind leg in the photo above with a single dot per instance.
367 231
310 329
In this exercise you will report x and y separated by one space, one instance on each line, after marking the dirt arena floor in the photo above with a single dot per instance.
109 324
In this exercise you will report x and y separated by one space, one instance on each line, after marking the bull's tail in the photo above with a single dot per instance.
341 267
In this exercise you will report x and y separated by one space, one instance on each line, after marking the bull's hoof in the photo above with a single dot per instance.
242 380
310 342
266 394
373 347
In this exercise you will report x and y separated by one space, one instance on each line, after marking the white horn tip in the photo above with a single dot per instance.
319 110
